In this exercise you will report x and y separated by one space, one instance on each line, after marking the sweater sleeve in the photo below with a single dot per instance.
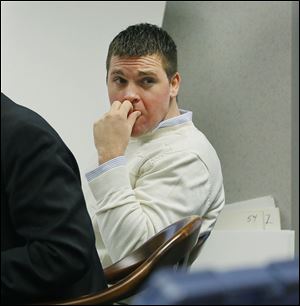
166 188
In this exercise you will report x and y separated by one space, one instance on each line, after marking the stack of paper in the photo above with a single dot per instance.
247 233
255 214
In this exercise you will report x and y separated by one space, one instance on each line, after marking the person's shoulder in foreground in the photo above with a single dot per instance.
47 242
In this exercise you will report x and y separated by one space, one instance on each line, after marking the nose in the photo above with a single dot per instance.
131 94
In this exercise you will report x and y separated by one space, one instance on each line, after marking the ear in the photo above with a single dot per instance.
174 85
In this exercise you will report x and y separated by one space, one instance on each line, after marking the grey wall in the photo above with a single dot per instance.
295 121
235 61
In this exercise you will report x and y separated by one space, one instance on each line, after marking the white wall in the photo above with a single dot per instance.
53 60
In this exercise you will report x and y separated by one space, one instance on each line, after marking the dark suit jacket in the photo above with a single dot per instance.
47 240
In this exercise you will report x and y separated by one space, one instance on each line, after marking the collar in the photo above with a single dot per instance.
184 116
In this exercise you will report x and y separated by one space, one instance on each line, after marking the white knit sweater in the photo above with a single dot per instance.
170 173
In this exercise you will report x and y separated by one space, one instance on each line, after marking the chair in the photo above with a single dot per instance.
197 248
170 247
129 263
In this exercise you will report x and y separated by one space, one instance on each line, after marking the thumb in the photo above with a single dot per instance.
133 117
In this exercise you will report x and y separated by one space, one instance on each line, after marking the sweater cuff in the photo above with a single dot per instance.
110 182
110 164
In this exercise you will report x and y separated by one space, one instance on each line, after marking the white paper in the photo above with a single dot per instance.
239 249
267 218
240 220
267 201
272 218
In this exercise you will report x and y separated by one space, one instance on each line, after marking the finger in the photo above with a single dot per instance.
126 107
115 105
133 117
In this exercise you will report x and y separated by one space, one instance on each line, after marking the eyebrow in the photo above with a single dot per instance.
146 72
118 71
140 72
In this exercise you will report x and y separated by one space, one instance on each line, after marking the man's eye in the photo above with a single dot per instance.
119 80
148 81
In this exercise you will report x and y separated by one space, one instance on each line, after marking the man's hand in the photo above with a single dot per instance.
112 132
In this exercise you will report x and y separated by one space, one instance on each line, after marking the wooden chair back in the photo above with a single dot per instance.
167 248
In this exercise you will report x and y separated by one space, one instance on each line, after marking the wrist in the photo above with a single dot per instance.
106 156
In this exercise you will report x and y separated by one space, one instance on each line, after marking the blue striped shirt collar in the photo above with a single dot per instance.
184 116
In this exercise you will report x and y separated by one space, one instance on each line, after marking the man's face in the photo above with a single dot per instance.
144 82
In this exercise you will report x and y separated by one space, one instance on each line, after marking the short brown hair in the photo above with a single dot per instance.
145 39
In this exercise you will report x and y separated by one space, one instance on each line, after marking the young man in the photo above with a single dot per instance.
47 241
155 166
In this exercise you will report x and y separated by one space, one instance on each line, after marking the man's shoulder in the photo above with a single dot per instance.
13 113
186 136
16 118
187 139
25 127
